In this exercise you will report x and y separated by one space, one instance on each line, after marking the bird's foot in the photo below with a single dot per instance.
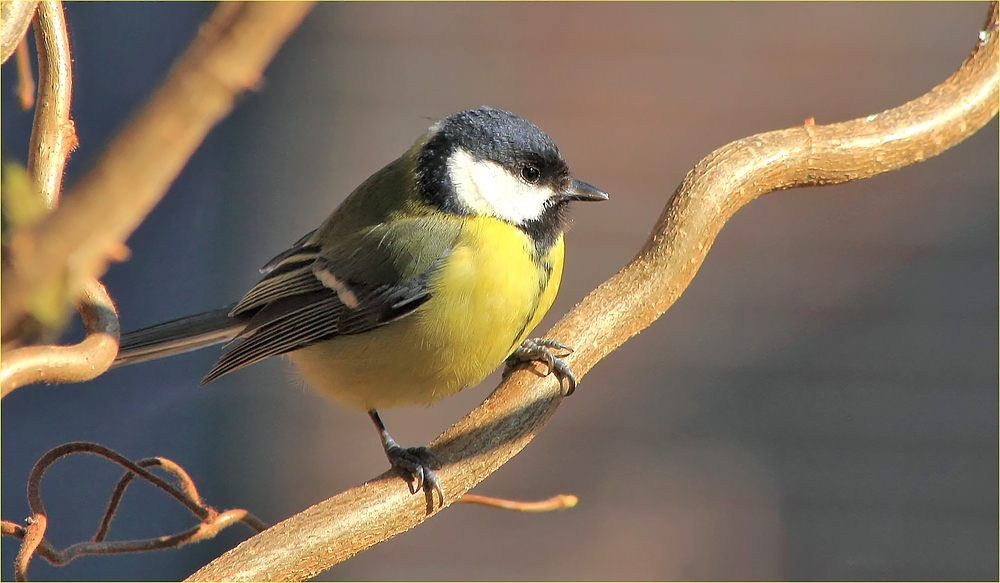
415 465
541 350
412 462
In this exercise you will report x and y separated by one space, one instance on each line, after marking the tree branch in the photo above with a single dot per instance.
69 364
33 534
25 78
133 173
53 135
52 139
332 531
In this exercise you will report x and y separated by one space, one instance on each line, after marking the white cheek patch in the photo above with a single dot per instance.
486 188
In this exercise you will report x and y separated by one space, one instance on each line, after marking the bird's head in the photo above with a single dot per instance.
491 162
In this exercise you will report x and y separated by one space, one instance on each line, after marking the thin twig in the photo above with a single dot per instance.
227 58
25 78
57 453
15 16
557 502
53 135
32 535
43 548
336 529
52 139
68 364
187 486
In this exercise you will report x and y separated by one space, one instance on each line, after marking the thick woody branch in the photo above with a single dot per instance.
336 529
15 16
109 202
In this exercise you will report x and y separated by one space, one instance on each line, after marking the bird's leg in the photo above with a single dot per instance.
540 350
413 462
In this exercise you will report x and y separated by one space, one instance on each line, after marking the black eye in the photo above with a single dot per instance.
530 174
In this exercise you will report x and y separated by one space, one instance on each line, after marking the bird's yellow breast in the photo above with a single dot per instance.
490 292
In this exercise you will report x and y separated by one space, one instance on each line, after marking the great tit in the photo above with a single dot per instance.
427 277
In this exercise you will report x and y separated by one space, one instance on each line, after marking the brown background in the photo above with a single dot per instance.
820 404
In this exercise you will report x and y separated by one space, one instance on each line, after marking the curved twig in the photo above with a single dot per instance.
52 139
186 485
557 502
188 488
15 16
53 135
332 531
57 453
68 364
32 535
25 78
227 58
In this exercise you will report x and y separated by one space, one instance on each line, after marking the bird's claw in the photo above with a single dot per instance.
540 350
414 463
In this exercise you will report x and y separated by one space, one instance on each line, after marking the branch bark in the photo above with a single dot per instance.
15 16
53 135
52 139
80 362
109 202
332 531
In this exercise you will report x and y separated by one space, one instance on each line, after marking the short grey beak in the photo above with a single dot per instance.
580 190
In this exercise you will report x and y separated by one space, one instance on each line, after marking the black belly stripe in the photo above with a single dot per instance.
542 284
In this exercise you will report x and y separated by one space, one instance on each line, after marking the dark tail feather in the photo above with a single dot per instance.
177 336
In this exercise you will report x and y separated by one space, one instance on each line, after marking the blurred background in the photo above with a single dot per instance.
820 404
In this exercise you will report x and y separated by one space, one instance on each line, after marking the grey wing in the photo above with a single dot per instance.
301 302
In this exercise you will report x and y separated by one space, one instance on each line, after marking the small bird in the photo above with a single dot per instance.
426 278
